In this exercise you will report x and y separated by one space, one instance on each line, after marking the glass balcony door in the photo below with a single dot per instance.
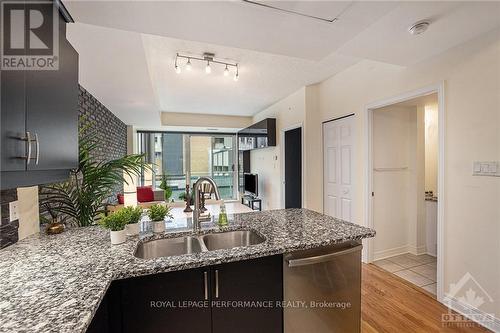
214 156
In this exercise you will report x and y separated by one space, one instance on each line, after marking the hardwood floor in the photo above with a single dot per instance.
390 304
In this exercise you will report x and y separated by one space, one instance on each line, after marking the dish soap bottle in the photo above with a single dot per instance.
223 215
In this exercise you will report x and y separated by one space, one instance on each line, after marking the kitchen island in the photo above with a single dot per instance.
56 283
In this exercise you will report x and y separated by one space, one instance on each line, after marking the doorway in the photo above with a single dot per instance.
292 142
338 168
405 176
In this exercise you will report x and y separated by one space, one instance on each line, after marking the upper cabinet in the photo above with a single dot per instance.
259 135
39 117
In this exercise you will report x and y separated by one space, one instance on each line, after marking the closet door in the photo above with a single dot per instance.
338 168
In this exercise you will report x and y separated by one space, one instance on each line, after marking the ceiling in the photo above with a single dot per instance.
127 49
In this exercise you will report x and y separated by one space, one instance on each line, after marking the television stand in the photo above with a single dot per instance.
250 201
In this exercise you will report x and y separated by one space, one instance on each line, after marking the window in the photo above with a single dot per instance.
180 156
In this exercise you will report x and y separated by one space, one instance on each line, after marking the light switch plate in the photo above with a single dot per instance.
486 168
13 210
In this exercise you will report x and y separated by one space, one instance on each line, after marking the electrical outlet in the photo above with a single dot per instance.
13 210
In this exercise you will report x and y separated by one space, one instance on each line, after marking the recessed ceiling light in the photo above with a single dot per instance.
419 27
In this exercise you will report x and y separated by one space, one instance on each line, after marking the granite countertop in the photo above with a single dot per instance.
55 283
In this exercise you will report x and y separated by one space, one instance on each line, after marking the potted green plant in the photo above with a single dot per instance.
135 213
157 214
167 190
83 196
116 223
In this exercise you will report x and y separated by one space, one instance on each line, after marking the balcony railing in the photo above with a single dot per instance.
223 179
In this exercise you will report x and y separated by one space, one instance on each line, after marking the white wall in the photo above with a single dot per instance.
431 147
267 162
398 160
416 199
392 130
471 73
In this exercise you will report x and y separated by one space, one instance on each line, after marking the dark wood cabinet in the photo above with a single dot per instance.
13 121
52 110
207 299
42 106
167 302
247 296
260 135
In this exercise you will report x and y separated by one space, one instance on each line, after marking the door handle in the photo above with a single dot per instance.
322 258
205 278
216 283
27 138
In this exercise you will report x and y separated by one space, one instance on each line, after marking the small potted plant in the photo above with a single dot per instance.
116 223
157 214
134 213
167 190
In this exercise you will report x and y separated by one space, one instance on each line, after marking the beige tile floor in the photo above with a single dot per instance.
419 270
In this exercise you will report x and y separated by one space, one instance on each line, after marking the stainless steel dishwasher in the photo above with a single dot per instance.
322 289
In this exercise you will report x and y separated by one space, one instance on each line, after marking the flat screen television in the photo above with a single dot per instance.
251 184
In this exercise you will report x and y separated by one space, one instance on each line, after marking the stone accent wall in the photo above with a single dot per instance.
8 230
109 132
107 129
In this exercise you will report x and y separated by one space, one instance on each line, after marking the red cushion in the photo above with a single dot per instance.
145 194
121 198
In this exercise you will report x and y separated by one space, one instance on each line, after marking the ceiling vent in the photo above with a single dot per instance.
419 28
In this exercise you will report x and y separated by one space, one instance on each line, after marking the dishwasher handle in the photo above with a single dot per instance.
323 258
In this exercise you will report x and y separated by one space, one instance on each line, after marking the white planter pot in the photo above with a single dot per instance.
132 229
118 237
158 226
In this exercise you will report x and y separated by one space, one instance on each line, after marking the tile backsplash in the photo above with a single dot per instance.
8 230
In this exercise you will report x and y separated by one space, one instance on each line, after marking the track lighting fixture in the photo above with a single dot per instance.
209 59
237 74
177 68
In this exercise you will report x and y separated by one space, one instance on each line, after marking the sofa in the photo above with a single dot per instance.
146 197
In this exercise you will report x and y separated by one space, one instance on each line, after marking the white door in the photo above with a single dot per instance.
338 154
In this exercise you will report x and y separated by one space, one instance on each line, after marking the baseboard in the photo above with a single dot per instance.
390 253
472 313
417 250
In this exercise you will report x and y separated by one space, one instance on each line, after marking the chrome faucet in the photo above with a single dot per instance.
196 189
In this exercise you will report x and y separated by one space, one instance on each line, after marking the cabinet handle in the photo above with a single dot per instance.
205 277
27 138
216 283
37 146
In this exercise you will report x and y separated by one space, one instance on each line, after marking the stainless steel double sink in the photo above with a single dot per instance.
166 247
